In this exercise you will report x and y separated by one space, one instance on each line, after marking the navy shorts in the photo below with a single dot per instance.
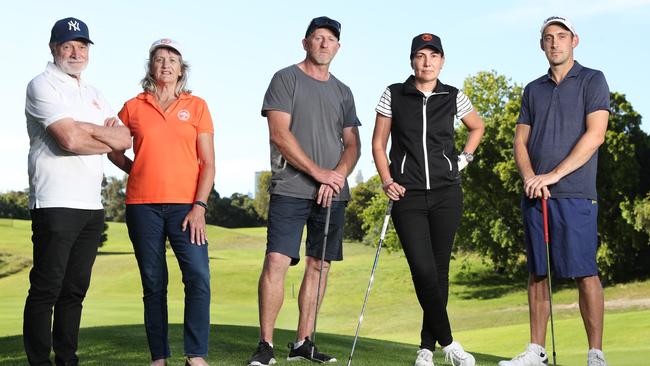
287 219
573 236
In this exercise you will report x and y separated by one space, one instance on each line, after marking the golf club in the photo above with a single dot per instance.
372 277
548 272
320 276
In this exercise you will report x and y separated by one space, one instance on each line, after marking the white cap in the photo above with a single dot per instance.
166 42
558 20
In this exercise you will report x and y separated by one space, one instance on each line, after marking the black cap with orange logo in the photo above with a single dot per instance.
426 40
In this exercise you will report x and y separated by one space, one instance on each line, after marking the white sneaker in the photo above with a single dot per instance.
425 358
595 357
535 355
455 354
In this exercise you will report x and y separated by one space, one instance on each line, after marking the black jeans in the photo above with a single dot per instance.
65 246
426 223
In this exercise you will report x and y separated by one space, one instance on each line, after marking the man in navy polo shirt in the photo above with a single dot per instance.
562 123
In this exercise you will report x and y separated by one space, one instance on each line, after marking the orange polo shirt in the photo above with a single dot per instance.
166 164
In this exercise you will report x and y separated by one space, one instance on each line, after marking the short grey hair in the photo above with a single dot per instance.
149 83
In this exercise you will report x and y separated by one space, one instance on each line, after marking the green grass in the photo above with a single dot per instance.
489 314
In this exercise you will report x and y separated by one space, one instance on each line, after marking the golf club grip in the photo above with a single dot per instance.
389 208
327 220
545 215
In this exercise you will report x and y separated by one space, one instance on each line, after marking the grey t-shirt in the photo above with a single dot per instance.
556 115
319 110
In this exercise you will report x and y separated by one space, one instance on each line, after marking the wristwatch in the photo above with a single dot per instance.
201 203
469 157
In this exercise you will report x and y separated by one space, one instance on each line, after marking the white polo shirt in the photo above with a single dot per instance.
58 178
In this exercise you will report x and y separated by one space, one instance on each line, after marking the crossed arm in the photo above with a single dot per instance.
536 186
331 180
86 138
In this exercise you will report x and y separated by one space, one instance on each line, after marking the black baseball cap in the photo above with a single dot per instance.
324 22
426 40
68 29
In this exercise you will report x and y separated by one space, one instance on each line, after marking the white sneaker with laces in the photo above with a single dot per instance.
595 357
535 355
425 358
455 354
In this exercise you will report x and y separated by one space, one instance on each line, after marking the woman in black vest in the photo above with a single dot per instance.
423 178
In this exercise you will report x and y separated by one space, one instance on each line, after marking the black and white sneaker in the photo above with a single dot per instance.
304 352
263 355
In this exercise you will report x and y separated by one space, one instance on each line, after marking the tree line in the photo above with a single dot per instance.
491 224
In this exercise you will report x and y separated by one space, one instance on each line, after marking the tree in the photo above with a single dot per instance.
236 211
623 179
114 198
491 221
14 204
364 216
261 201
360 198
638 214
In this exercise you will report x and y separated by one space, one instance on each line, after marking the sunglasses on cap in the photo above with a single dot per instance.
324 22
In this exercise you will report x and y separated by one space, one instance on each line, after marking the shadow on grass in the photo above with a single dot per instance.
484 283
132 253
115 253
230 345
11 263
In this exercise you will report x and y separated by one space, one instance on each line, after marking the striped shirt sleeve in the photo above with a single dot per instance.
383 107
463 105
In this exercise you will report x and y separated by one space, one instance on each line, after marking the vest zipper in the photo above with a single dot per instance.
424 141
403 162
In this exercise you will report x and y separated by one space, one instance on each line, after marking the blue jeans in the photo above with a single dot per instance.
149 225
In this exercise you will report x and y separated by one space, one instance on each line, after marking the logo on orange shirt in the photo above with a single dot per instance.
183 115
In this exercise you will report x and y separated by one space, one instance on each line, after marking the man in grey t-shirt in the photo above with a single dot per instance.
315 145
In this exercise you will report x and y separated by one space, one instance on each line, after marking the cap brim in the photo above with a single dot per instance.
427 46
154 48
74 38
330 27
559 22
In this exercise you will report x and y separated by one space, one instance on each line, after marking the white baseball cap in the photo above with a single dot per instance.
166 42
559 20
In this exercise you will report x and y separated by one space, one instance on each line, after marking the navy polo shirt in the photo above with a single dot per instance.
557 115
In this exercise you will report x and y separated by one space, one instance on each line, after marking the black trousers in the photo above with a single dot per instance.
426 223
65 246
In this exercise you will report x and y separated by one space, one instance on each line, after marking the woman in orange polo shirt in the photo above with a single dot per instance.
170 179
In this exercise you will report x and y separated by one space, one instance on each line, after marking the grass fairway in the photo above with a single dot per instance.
231 345
489 314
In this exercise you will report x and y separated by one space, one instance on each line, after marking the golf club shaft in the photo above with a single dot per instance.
372 277
320 275
548 273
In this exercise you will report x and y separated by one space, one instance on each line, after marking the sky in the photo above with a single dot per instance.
234 48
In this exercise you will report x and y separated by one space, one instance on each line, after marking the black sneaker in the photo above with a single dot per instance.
263 355
304 353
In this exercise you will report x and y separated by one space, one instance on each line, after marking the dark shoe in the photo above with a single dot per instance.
304 352
263 355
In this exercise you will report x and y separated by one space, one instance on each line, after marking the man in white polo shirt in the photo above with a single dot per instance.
70 126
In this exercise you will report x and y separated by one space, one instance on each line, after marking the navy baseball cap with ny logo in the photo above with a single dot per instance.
69 29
